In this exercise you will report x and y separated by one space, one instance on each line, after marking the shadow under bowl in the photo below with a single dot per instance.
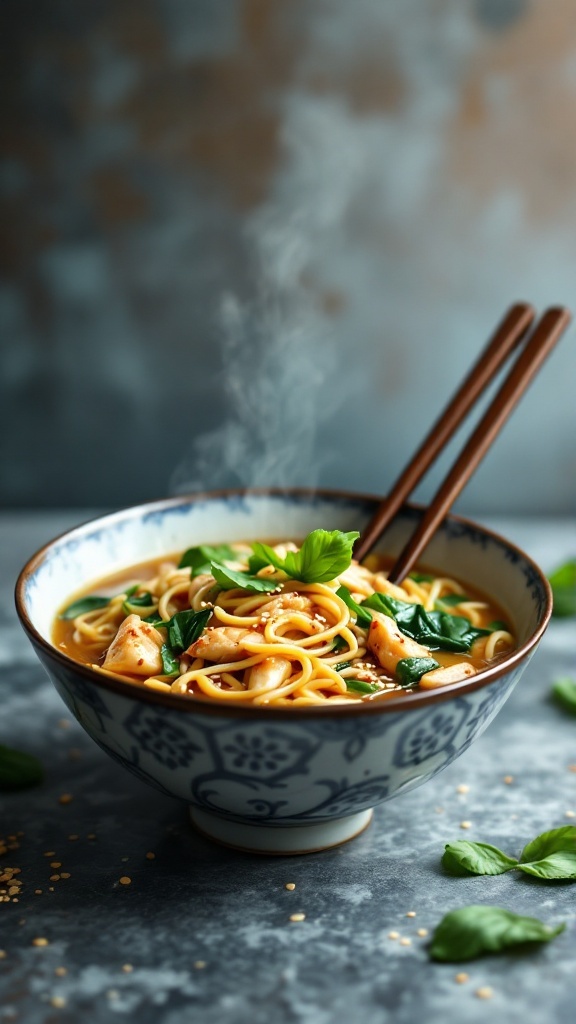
278 781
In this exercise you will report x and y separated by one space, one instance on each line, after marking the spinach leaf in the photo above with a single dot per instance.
323 556
359 686
435 630
421 577
410 670
363 617
230 578
84 604
342 665
136 602
563 583
470 931
18 770
185 627
564 693
551 855
450 600
170 662
464 858
201 557
155 620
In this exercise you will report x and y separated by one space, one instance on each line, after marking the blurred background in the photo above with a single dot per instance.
260 241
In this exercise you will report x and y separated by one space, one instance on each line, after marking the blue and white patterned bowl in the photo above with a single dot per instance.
278 781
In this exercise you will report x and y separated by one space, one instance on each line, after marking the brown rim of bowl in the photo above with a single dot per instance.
406 701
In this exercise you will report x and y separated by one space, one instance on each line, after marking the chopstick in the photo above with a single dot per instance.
508 334
545 335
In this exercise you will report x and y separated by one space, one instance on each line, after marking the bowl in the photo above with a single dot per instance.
278 781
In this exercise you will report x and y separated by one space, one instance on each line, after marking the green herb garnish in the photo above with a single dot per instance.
134 603
170 662
359 686
185 627
435 630
363 616
228 579
200 558
83 605
470 931
564 693
18 770
563 583
323 556
410 670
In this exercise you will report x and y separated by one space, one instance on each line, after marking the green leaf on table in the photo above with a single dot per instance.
552 855
170 661
18 770
185 627
469 932
359 686
564 693
83 605
324 554
409 671
435 630
363 616
229 579
464 858
200 558
563 583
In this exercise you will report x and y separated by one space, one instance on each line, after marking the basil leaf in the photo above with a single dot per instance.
470 931
201 557
264 555
256 563
83 605
464 858
363 617
450 600
551 855
563 583
359 686
155 620
185 627
410 670
170 662
18 770
230 578
421 577
323 556
339 644
564 693
134 604
435 630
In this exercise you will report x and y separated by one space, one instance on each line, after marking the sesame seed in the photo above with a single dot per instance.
58 1001
508 779
465 824
297 917
72 838
38 892
56 864
484 993
150 856
125 880
65 798
463 789
64 723
60 971
40 942
127 968
64 874
50 853
199 964
405 942
290 886
461 977
393 935
569 814
422 932
411 913
2 954
54 878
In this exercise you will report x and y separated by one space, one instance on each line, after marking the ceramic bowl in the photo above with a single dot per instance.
278 781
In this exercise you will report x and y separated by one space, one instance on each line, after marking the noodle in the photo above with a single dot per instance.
279 642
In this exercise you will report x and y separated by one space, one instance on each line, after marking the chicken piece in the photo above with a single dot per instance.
390 645
224 643
443 676
135 649
287 603
269 674
358 579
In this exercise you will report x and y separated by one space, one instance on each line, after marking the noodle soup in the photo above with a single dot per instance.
236 623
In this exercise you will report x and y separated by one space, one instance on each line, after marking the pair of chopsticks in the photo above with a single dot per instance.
508 336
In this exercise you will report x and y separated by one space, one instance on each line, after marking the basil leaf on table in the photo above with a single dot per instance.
18 770
564 693
552 855
83 605
409 671
363 616
231 578
435 630
464 858
201 557
469 932
359 686
563 583
323 556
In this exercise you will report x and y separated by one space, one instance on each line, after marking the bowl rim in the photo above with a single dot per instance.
404 701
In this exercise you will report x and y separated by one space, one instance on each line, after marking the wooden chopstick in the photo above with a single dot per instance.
545 335
510 331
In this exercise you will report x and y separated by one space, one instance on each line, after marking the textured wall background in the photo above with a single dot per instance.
259 241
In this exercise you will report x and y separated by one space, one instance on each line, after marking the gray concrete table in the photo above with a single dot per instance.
204 933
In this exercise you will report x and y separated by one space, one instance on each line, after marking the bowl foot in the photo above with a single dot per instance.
280 840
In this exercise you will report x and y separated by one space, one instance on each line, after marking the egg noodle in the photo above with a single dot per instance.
295 645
